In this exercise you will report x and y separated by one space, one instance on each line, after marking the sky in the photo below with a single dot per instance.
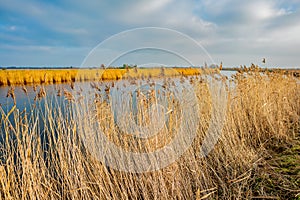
235 32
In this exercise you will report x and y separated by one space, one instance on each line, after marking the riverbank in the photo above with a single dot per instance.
288 71
50 76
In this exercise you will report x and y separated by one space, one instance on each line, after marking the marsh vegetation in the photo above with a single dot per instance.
257 155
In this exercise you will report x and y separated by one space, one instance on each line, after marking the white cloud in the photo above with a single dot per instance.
226 27
148 7
176 15
262 10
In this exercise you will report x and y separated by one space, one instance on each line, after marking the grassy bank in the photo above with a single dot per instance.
256 156
287 71
49 76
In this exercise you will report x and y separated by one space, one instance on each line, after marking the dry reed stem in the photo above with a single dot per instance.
56 165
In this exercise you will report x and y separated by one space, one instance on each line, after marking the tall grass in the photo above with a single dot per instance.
49 76
53 163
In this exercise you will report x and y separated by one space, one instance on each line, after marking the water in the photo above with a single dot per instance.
228 73
27 101
56 102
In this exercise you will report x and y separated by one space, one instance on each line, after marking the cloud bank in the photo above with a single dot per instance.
62 33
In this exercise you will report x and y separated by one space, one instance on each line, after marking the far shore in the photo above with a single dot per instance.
52 76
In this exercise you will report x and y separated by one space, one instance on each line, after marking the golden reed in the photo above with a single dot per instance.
49 76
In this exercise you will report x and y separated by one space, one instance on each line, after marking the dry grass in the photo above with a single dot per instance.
52 163
49 76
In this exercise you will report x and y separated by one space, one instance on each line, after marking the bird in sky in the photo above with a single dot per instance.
264 60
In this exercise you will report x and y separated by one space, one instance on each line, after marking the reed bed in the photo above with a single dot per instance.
50 76
43 157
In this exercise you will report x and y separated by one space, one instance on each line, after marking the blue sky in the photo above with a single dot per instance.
236 32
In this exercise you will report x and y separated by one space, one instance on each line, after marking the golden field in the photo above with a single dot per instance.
49 76
256 157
